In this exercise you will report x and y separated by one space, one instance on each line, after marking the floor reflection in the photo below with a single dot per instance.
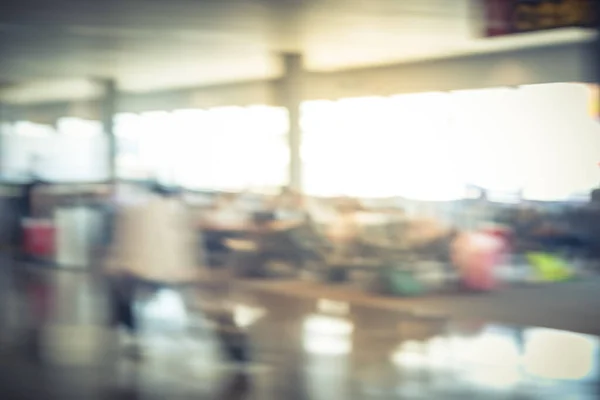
327 349
507 359
389 354
559 355
324 334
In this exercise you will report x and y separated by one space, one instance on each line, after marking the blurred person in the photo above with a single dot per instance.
283 239
424 230
585 221
225 219
153 247
430 238
595 196
226 213
345 226
27 204
252 202
289 206
32 284
238 387
532 229
398 221
344 231
34 182
321 211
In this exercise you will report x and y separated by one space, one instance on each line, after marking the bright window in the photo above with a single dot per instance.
227 148
537 140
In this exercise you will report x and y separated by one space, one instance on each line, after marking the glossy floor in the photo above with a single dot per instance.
304 349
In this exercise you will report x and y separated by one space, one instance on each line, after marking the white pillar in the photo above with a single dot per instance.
108 109
291 89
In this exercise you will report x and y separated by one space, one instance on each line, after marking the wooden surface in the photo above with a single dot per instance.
573 306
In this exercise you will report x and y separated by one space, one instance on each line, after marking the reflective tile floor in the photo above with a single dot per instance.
304 349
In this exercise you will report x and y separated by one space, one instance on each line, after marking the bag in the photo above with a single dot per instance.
399 282
549 268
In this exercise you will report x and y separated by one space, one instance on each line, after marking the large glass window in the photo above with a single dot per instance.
24 145
539 141
563 143
78 151
73 150
426 152
227 148
128 130
535 140
380 147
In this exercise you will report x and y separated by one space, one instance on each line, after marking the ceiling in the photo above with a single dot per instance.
156 44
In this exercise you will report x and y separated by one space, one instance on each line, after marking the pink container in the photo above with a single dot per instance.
476 255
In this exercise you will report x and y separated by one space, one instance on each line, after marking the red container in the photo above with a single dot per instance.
39 238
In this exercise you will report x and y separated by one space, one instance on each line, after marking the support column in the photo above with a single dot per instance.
595 65
291 89
108 109
3 121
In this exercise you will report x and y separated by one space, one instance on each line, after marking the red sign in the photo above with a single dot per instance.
505 17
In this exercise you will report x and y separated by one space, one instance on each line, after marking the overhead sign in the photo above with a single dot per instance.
505 17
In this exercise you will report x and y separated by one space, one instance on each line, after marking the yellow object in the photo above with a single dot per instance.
549 267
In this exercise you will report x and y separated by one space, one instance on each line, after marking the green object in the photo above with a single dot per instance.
549 267
401 283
